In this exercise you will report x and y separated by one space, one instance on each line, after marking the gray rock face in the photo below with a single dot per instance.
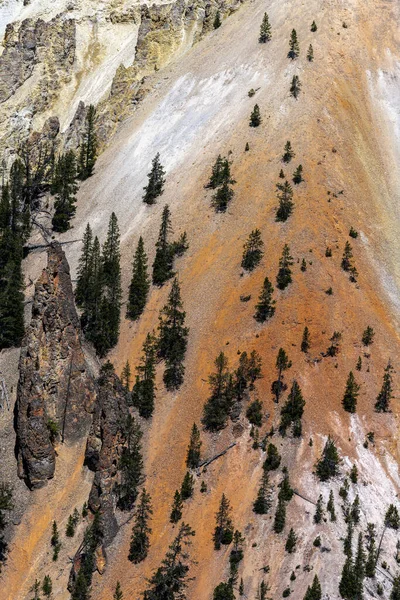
56 390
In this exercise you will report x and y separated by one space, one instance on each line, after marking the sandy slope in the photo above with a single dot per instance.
343 129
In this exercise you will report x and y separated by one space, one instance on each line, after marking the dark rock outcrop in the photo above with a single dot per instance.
104 447
56 389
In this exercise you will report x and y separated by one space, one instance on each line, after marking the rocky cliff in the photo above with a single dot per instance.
56 389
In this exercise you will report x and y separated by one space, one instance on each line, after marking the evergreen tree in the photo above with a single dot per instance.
224 591
144 390
140 285
368 336
255 117
288 153
173 336
348 586
262 503
164 258
290 545
11 297
140 543
331 507
282 364
310 53
130 465
392 518
241 587
254 413
221 172
370 564
84 269
280 517
359 566
222 197
395 593
293 45
382 403
88 151
313 27
298 175
305 342
194 448
314 591
285 491
319 511
265 30
284 276
253 250
111 289
347 262
236 555
351 394
55 541
273 458
218 407
333 349
223 533
217 20
118 595
359 364
91 316
187 486
47 586
262 591
6 505
328 465
70 529
126 376
286 204
156 181
265 308
92 540
295 87
292 411
64 187
169 580
177 505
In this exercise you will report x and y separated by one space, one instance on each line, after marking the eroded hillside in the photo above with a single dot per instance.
344 130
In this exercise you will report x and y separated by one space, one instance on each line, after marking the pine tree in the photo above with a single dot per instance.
169 580
218 407
126 376
333 349
359 566
395 593
118 595
328 464
222 197
280 517
370 564
64 187
253 250
368 336
392 518
347 262
265 30
288 153
187 487
88 152
84 269
130 465
6 505
144 390
241 587
91 316
55 541
351 394
223 533
305 342
262 503
220 172
310 53
286 204
313 27
173 336
224 591
140 284
290 545
254 413
177 505
70 529
255 117
140 542
382 403
319 511
194 448
292 411
265 308
314 592
284 277
262 591
285 491
293 45
298 175
348 586
282 364
163 261
359 364
295 87
217 20
111 289
156 181
273 458
47 586
12 297
330 507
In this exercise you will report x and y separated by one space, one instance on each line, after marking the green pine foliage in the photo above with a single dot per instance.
172 342
313 27
118 595
395 593
254 413
280 517
294 49
330 507
156 181
88 148
187 487
265 30
284 276
282 364
286 204
392 518
130 465
349 401
176 510
368 336
305 342
371 560
310 53
140 542
219 405
314 591
93 537
47 586
253 250
288 152
6 505
223 533
255 117
55 541
164 258
144 389
291 541
295 87
265 308
224 591
382 403
84 269
221 180
292 411
273 458
319 511
140 284
194 449
126 376
298 175
328 465
217 20
262 503
64 187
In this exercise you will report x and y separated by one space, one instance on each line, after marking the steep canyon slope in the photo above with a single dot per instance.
344 128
